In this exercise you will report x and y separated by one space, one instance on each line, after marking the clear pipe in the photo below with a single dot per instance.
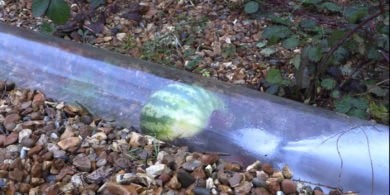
319 145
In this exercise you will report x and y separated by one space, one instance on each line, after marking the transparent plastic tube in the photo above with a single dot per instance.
319 145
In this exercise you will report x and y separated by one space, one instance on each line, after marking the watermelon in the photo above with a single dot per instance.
178 111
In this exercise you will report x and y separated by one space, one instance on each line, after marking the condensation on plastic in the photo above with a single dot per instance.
318 145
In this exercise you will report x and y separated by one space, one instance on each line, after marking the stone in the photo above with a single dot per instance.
235 167
273 185
16 175
121 36
137 140
123 163
254 166
24 133
98 175
278 175
235 180
67 133
287 173
260 191
244 188
11 139
67 170
36 170
69 142
2 140
199 173
35 150
201 191
67 188
24 187
38 100
208 159
113 188
10 121
107 38
157 169
267 168
27 142
257 182
191 165
288 186
174 183
83 163
185 178
35 181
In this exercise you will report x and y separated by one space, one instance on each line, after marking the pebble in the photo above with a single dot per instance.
287 173
191 165
24 133
156 170
83 163
235 180
121 36
69 142
288 186
185 178
108 38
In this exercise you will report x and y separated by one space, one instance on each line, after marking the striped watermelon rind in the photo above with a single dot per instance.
178 111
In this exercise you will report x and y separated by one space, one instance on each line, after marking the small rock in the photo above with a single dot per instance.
34 191
199 173
11 139
27 142
273 185
10 121
83 163
16 175
24 187
69 142
288 186
123 163
100 136
235 180
98 175
36 169
24 133
137 140
225 189
201 191
38 100
67 133
254 166
267 168
174 183
67 188
77 180
257 182
185 178
113 188
42 140
2 140
101 162
67 170
260 191
278 175
287 173
157 169
235 167
121 36
108 38
209 158
35 150
244 188
35 181
191 165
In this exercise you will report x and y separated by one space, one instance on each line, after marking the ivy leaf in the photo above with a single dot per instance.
340 54
274 76
251 7
47 28
39 7
313 53
268 51
296 61
379 111
328 83
354 13
308 24
290 43
261 44
279 20
58 11
276 32
359 103
311 2
357 113
330 6
343 105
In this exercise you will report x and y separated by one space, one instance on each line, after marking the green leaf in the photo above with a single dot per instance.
276 32
379 111
279 20
290 43
328 84
353 14
261 44
39 7
308 24
313 53
359 103
343 105
47 28
373 54
251 7
96 3
335 94
274 76
330 6
340 54
58 11
358 113
268 51
310 2
296 61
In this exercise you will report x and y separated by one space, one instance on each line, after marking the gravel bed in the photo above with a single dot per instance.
49 147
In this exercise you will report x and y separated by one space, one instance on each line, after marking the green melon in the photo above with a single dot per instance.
178 111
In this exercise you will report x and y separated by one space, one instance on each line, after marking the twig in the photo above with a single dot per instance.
381 82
